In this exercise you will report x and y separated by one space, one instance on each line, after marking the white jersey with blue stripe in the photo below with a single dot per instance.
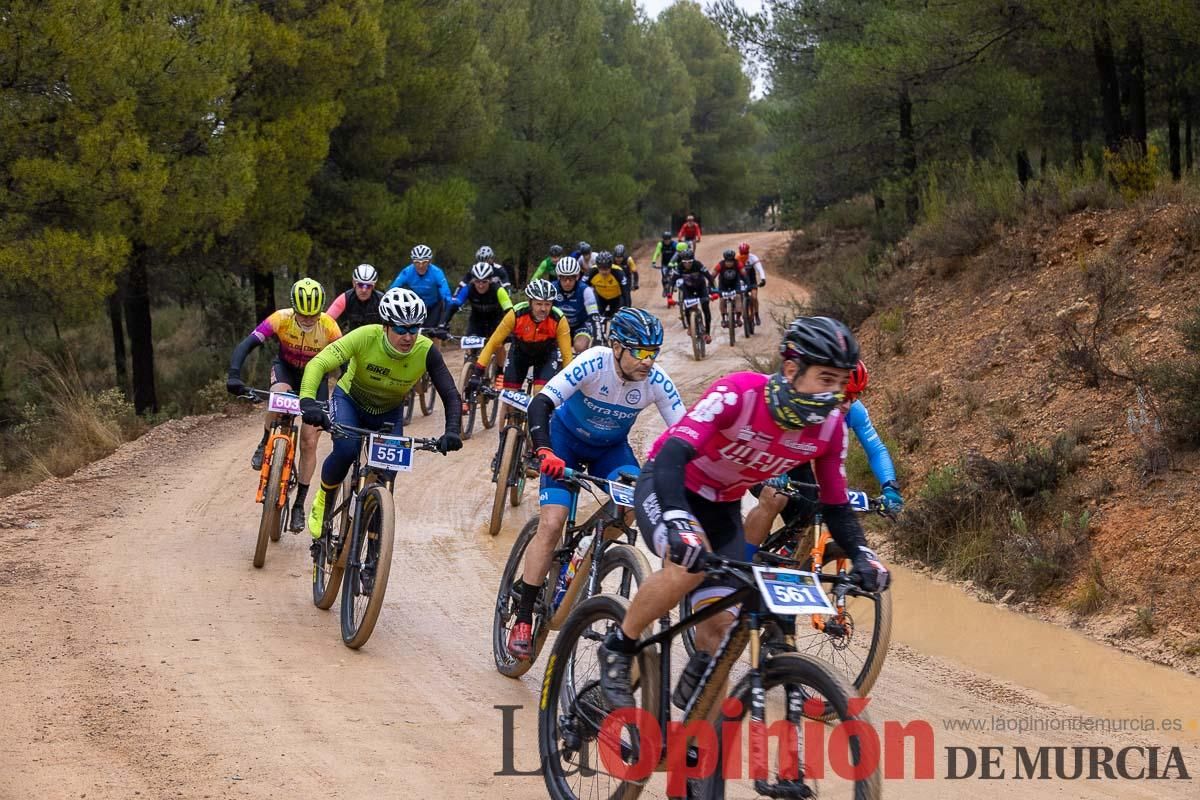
596 405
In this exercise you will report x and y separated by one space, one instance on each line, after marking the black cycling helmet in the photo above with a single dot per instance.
604 259
667 235
556 250
820 340
585 248
729 255
619 251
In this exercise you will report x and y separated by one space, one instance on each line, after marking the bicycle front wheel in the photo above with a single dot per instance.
507 451
790 682
854 643
410 403
368 565
574 708
517 483
472 405
732 307
272 511
489 407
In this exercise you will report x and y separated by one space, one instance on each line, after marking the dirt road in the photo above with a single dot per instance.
141 655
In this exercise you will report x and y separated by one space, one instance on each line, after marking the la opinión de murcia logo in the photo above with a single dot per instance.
851 750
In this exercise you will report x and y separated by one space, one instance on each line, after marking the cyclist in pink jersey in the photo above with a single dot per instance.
745 429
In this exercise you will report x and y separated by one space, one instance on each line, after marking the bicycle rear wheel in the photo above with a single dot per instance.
507 602
368 565
331 560
796 680
272 513
508 447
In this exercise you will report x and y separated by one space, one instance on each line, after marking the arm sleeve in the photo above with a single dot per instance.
626 288
843 526
669 467
666 397
443 381
658 252
830 468
503 298
589 301
759 271
443 287
331 357
240 352
337 306
563 335
502 332
877 453
540 409
632 265
454 305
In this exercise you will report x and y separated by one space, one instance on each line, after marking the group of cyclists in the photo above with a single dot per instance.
594 361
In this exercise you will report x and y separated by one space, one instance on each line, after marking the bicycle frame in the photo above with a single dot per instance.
602 521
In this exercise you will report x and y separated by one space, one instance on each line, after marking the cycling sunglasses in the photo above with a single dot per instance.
406 330
642 353
362 285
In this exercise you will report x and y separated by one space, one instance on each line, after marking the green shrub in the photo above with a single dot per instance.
995 521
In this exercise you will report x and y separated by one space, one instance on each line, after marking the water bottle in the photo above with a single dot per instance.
568 571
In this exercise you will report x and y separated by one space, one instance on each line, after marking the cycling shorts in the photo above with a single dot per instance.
283 372
603 462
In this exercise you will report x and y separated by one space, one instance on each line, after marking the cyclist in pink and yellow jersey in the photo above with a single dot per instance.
747 428
303 331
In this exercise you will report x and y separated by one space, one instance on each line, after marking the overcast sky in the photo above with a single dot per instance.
652 7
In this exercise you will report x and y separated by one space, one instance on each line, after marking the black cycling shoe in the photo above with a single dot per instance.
257 459
616 675
315 548
299 519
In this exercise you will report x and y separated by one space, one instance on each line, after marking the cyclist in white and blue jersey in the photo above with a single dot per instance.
581 419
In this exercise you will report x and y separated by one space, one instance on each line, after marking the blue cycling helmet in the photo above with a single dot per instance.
634 327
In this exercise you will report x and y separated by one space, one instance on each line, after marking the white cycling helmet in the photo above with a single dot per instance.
482 271
402 307
484 253
365 273
422 252
541 289
566 267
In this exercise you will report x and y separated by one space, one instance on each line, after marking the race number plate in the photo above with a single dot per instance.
392 453
691 302
789 592
621 494
518 400
729 295
284 403
472 342
859 501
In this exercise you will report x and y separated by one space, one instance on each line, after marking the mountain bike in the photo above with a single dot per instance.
693 320
276 479
509 471
590 549
854 639
749 311
731 307
473 402
355 548
790 687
